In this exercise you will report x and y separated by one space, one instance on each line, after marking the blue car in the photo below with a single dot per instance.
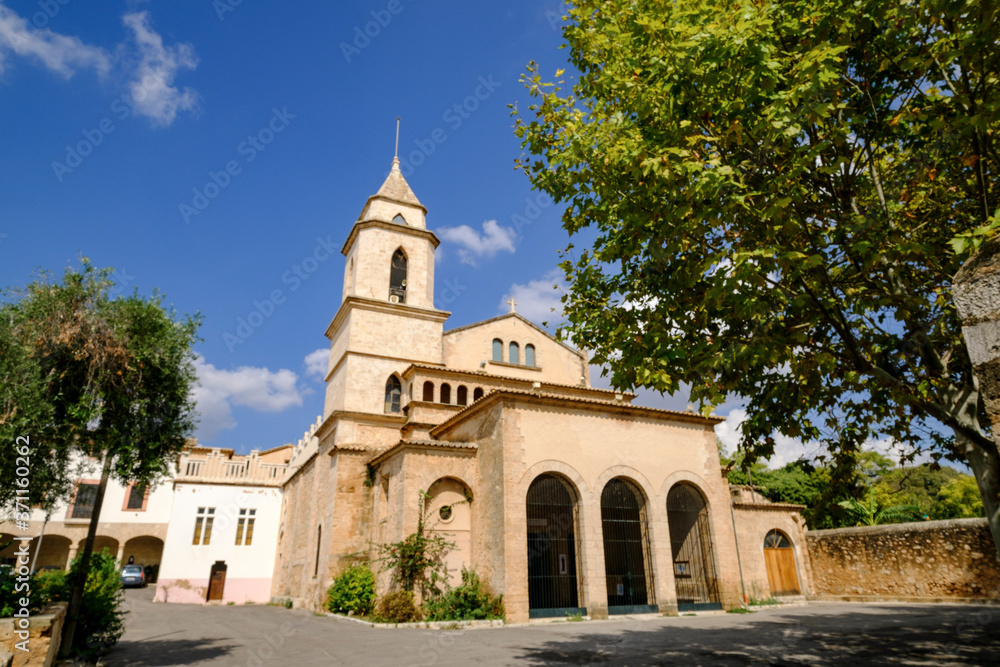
132 575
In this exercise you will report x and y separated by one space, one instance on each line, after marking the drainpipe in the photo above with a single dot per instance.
739 559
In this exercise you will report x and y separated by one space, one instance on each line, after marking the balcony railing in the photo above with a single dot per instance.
217 467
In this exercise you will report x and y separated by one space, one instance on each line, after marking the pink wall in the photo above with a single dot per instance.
194 591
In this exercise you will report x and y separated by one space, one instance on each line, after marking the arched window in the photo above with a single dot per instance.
445 393
397 277
515 354
529 355
497 349
399 219
477 394
462 395
393 391
319 543
429 391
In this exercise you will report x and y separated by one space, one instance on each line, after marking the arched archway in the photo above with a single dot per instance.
101 542
779 557
627 561
551 510
695 573
428 391
146 551
449 515
54 552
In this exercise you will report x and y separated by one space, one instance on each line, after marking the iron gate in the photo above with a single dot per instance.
625 549
552 587
695 575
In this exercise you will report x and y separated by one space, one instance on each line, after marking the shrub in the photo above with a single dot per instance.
353 591
102 621
471 601
45 587
397 607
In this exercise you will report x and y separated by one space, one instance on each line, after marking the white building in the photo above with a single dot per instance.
223 528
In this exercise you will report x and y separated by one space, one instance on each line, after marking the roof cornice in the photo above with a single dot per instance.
425 234
350 302
514 396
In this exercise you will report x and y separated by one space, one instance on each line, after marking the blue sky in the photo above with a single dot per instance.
215 151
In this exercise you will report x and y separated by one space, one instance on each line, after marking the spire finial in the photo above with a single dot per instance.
512 304
396 156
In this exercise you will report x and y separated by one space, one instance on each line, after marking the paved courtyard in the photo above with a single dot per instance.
818 634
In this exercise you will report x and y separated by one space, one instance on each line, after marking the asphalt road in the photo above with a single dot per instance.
818 634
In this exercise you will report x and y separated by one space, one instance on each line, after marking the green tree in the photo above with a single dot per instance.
958 499
872 514
113 376
778 194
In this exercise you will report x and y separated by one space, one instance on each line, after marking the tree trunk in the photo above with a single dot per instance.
986 467
76 600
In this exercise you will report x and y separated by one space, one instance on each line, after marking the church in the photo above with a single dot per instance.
564 498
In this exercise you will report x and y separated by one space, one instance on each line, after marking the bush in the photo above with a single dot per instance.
397 607
471 601
353 591
45 587
102 621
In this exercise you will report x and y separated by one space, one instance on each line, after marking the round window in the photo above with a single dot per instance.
445 513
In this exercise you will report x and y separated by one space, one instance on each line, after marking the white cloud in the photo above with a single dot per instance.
475 246
256 388
537 300
786 450
151 84
318 362
144 61
60 53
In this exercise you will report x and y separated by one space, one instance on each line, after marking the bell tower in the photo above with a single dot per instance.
386 320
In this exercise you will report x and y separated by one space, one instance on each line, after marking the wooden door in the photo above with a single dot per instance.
780 561
217 581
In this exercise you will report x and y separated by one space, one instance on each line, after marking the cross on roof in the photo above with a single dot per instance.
512 304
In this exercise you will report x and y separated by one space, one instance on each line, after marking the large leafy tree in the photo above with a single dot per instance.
780 192
85 374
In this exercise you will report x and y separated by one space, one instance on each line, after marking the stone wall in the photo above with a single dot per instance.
931 560
44 631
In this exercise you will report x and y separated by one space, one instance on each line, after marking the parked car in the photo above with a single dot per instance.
133 575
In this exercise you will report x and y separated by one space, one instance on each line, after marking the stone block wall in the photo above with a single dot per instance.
44 632
931 560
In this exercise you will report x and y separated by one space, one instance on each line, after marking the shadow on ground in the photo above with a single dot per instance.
155 652
891 635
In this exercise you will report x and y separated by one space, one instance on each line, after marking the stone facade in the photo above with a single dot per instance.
932 560
464 426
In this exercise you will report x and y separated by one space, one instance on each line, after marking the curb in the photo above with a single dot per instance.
424 625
